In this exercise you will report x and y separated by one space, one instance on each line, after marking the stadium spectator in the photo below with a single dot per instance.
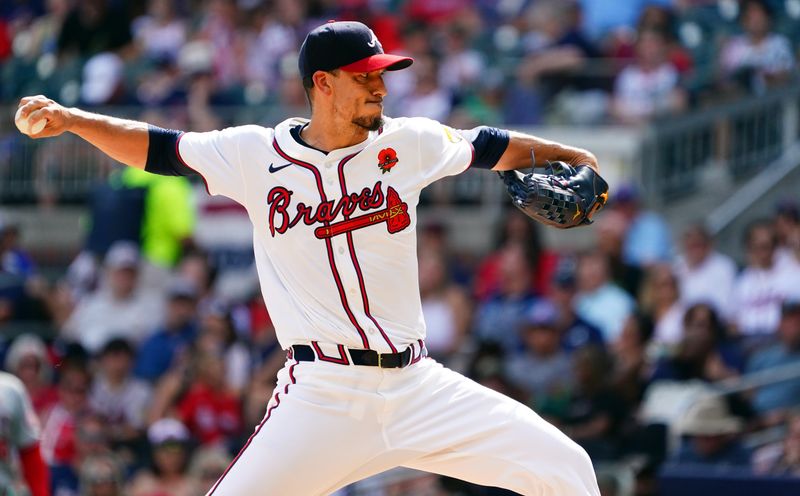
119 308
160 33
704 351
461 66
660 299
169 442
755 303
103 81
70 430
650 86
773 400
787 231
206 466
575 332
704 274
600 302
781 457
94 26
515 229
498 318
631 364
445 306
595 413
27 358
218 336
759 58
542 370
714 437
157 353
610 235
556 48
101 475
426 99
208 408
118 397
19 440
647 238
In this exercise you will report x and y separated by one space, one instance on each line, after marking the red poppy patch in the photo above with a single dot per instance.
387 158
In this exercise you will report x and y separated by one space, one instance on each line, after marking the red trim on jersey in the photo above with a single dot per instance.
328 245
353 257
178 153
258 429
342 360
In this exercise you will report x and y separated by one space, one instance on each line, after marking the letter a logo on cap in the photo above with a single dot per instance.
374 41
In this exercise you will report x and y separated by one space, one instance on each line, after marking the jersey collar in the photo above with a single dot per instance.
304 153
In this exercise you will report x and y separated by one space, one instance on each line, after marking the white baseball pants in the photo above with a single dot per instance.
329 425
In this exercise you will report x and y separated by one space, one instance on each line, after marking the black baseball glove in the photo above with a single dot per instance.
563 197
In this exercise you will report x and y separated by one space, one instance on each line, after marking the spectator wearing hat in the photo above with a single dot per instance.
773 400
704 274
543 370
120 398
28 359
158 352
713 435
168 474
119 308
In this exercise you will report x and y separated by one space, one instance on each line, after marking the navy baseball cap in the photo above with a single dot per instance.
350 46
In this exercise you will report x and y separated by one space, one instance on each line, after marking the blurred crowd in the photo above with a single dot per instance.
156 355
477 61
158 370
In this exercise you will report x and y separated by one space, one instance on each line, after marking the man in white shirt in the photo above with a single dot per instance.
704 275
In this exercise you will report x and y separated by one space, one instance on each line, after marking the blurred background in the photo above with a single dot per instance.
665 338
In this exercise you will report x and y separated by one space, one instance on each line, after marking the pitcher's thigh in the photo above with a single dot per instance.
481 436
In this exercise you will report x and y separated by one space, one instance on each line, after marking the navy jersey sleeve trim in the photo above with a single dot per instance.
162 153
488 143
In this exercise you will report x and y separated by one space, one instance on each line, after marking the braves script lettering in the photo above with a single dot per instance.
280 201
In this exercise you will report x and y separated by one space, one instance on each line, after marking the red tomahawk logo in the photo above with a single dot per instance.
395 215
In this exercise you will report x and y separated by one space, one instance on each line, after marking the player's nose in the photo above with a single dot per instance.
379 87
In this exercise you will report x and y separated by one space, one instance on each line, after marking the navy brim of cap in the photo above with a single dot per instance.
379 61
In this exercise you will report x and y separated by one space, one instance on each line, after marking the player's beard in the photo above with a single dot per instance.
370 123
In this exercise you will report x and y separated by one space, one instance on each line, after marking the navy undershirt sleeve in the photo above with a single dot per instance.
162 153
489 143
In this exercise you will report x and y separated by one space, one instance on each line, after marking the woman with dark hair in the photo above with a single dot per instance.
218 335
704 352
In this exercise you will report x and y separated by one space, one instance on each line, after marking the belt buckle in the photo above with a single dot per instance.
380 360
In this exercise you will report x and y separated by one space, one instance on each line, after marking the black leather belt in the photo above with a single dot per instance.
305 353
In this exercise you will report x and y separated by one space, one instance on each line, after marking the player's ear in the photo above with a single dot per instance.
322 82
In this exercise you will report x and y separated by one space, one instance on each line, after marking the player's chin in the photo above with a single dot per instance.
370 122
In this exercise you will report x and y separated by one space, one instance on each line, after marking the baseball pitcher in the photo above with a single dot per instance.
333 205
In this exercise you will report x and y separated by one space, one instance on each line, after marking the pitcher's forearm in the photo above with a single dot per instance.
123 140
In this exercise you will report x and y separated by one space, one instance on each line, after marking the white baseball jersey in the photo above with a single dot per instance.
334 234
